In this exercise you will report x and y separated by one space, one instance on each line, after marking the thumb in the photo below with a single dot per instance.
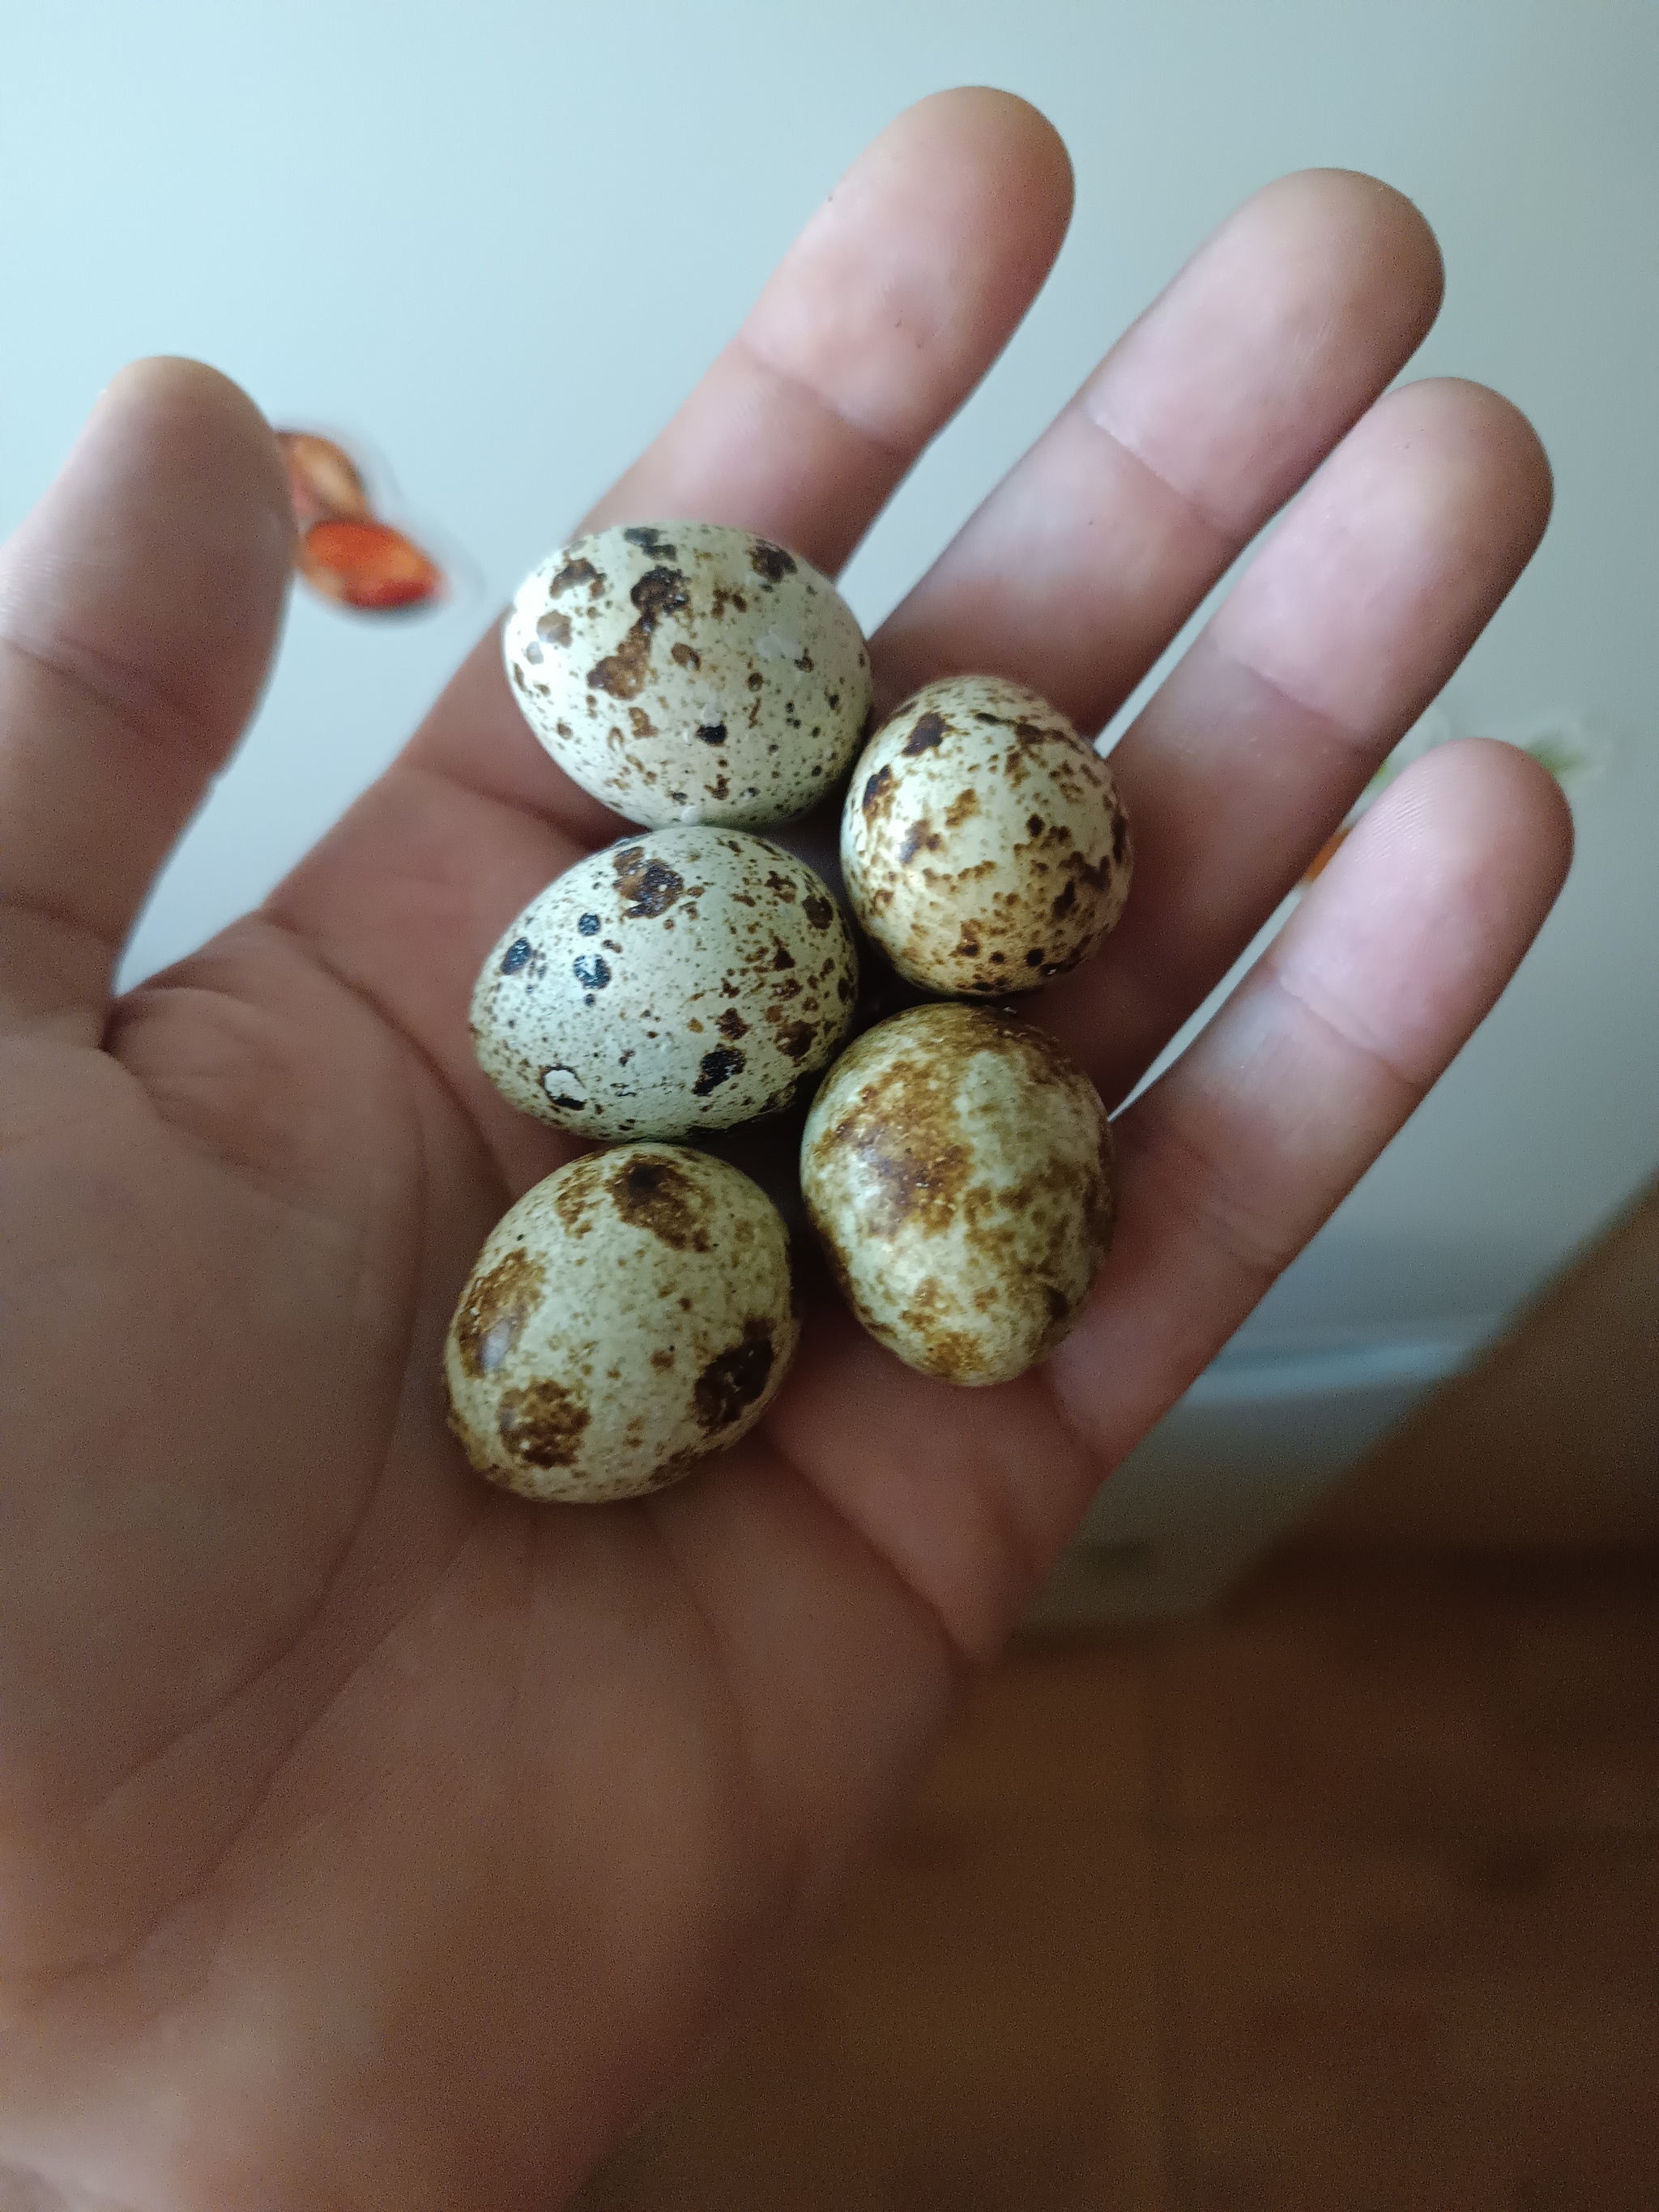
139 605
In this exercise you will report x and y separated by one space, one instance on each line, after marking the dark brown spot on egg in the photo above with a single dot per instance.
494 1311
919 1176
905 1131
542 1424
731 1024
659 591
770 561
796 1039
623 673
717 1067
818 910
931 730
650 887
663 1358
554 628
657 1194
649 539
642 723
729 1385
685 656
877 794
574 573
920 837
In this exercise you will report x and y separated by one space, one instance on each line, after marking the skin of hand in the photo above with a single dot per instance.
369 1837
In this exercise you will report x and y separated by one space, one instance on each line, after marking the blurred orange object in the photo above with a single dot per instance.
367 565
323 481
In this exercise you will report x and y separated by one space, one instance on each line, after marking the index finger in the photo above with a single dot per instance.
881 318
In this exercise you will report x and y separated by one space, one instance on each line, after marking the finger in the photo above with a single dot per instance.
1083 564
1233 1159
1226 1167
138 609
896 300
899 294
1356 613
883 315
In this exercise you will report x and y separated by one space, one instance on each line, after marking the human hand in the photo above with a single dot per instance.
369 1837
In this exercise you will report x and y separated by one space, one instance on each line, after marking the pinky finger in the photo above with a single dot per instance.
1233 1160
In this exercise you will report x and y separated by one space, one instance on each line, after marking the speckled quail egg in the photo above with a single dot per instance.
689 672
982 842
681 979
957 1167
627 1316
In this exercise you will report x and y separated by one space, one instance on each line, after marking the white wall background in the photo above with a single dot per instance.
498 241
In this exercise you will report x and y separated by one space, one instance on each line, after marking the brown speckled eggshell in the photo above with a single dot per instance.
689 672
983 840
957 1167
627 1317
681 979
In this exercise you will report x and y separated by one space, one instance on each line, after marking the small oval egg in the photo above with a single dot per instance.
630 1314
681 979
689 672
983 840
957 1167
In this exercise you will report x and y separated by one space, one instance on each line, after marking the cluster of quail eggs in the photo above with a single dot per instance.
636 1310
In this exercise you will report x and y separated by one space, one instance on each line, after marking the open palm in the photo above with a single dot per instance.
371 1838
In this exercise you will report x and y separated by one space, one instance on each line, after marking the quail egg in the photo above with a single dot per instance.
957 1167
982 842
627 1316
689 672
681 979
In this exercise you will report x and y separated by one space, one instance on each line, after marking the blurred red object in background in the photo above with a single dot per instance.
343 552
366 565
323 480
